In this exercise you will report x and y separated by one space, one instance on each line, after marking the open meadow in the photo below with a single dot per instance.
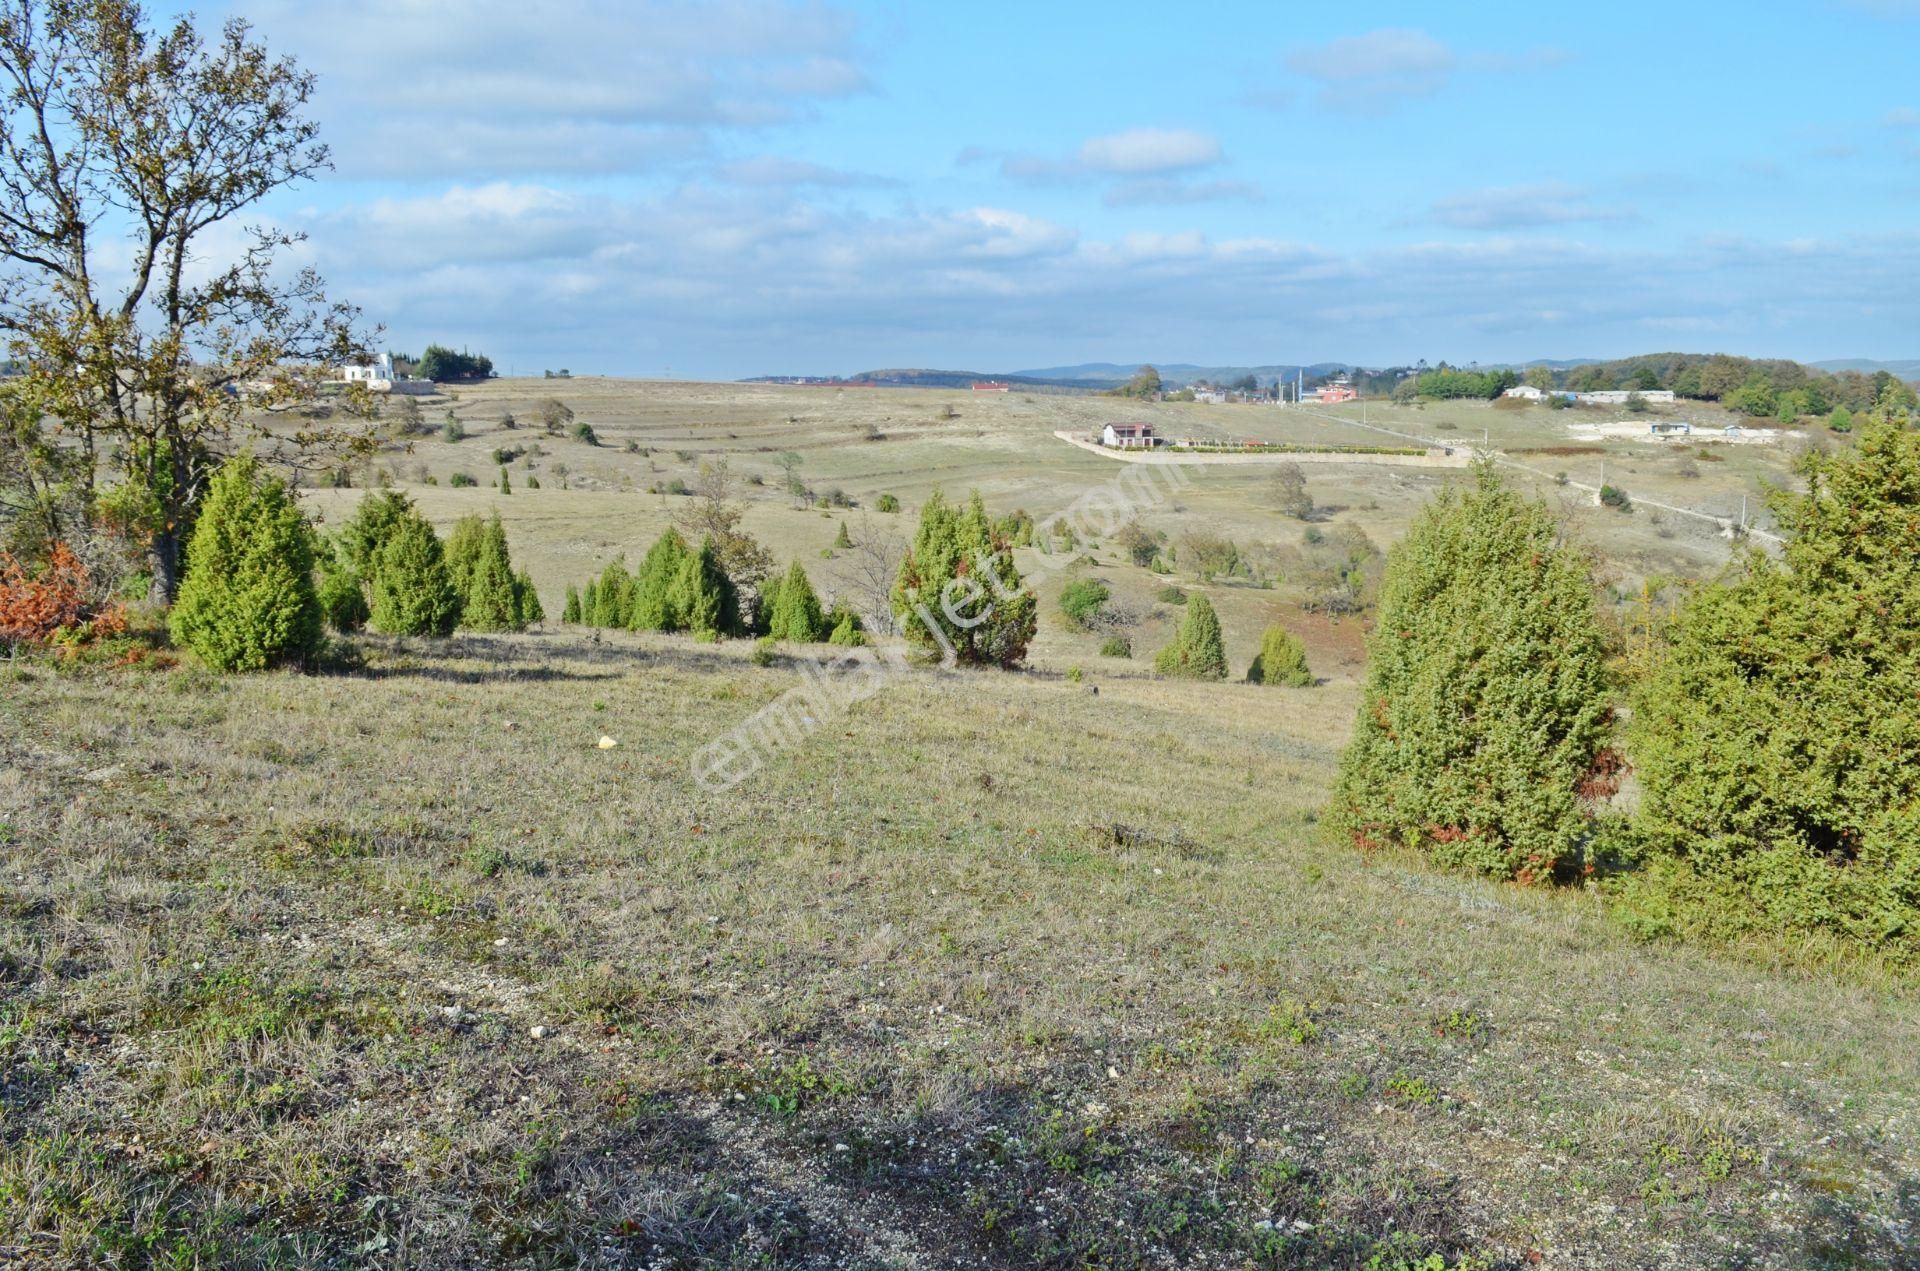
594 505
403 965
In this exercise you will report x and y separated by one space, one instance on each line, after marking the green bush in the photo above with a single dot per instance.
248 601
1778 741
846 632
1282 660
492 597
526 600
959 592
795 613
1196 652
763 651
887 503
570 610
703 596
462 481
1116 647
412 591
1615 498
343 597
1082 599
1485 707
1171 595
843 539
583 432
653 587
614 597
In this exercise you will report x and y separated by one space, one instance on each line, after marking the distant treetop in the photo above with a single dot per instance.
440 364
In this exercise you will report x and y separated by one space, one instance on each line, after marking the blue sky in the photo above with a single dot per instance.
753 186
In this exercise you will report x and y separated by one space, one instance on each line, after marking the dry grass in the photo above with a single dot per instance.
993 971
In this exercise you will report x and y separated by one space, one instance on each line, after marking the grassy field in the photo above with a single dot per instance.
865 442
398 966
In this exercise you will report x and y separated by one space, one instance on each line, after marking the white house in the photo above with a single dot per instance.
1526 392
1216 395
1128 437
376 375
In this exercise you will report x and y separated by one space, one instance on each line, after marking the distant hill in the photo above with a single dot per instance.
897 377
1177 372
1905 368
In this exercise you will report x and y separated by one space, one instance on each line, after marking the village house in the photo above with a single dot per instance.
377 374
1128 437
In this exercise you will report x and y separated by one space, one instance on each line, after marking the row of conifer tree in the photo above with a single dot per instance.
262 585
681 588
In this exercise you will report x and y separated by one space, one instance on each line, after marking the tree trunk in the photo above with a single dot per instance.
164 556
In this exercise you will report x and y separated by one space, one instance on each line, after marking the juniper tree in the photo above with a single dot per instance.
795 613
590 604
1196 651
1778 741
343 596
364 533
703 597
413 593
1282 660
654 583
248 600
462 549
613 598
959 592
489 600
570 610
1486 700
526 601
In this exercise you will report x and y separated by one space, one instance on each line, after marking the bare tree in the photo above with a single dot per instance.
715 512
867 572
111 131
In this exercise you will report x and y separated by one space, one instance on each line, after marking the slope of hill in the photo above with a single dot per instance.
987 971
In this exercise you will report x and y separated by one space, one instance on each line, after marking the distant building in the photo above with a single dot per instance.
1128 437
992 386
1333 393
1670 428
377 374
1526 392
1209 395
1619 396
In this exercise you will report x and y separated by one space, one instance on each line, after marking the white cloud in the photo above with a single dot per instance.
1372 73
470 88
1521 207
726 281
1140 151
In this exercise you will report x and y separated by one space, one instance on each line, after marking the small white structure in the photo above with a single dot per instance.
1128 437
1619 396
377 375
1526 392
1214 395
